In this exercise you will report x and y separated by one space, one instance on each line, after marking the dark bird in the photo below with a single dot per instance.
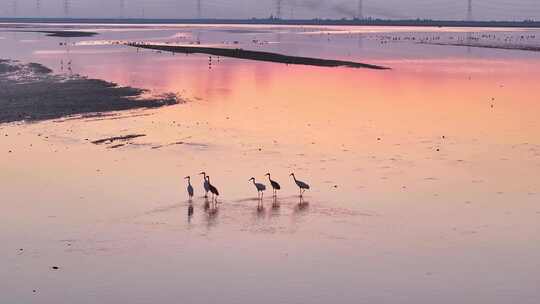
260 188
275 185
205 184
189 187
301 185
212 189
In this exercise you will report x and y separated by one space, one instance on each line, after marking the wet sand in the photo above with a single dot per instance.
31 92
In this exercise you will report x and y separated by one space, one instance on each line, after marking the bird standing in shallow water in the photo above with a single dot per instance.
205 184
213 190
260 188
189 187
275 185
301 185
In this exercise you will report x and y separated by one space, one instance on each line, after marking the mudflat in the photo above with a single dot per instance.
31 92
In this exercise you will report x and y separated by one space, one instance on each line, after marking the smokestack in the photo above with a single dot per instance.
38 7
199 9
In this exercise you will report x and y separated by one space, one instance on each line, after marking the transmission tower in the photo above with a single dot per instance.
38 7
360 13
67 7
469 10
279 9
122 8
14 8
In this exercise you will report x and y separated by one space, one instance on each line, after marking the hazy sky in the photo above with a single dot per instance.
442 9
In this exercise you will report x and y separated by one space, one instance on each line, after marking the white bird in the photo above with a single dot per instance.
301 185
260 188
189 187
275 185
205 184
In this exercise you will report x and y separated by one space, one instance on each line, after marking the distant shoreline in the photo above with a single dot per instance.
275 21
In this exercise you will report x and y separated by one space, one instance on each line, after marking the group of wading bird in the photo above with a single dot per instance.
209 188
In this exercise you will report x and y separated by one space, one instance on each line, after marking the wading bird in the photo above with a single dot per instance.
189 187
205 184
260 188
275 185
301 185
212 189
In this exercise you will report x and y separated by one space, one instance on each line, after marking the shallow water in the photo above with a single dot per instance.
425 178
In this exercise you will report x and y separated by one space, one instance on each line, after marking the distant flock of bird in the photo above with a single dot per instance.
260 187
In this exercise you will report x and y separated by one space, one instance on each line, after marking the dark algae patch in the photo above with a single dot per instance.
117 138
31 92
257 55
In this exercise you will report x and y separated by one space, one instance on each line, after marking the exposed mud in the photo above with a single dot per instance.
257 55
31 92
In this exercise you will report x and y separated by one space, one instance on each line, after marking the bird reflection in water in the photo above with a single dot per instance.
260 210
211 217
206 204
275 203
302 205
190 211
